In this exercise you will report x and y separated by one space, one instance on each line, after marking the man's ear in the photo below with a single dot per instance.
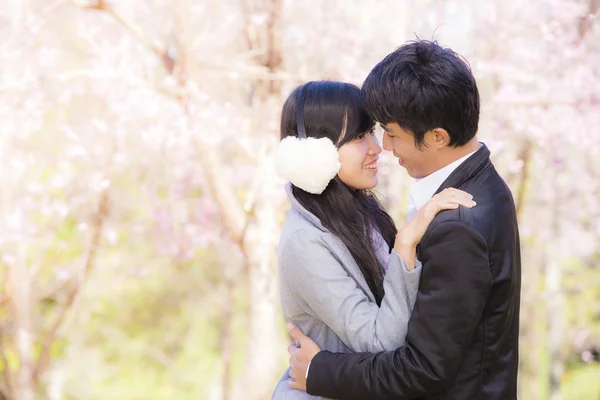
439 138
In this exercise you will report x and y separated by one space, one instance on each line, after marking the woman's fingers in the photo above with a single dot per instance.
448 199
454 196
454 203
448 206
452 192
462 201
469 203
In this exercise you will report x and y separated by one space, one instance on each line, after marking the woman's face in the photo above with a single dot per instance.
358 159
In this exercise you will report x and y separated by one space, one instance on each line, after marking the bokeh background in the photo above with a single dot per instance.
140 209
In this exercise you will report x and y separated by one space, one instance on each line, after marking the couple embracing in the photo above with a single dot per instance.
426 311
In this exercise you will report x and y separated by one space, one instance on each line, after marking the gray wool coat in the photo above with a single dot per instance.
325 294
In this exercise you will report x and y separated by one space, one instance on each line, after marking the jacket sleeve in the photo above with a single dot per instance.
455 285
324 289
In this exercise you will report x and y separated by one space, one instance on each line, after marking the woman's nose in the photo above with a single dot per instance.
374 147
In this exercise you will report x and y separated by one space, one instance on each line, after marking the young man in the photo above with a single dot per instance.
462 340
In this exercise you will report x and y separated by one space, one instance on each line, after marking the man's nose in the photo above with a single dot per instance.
387 142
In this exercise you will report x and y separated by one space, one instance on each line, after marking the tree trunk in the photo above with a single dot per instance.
531 343
264 339
227 337
20 293
19 280
260 241
555 303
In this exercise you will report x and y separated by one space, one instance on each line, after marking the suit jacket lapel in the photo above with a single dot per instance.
472 165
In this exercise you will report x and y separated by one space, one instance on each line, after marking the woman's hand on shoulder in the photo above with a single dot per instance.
448 199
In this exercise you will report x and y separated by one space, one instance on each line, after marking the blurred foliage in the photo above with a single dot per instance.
152 104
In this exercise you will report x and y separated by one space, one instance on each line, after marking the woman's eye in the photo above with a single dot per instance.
361 136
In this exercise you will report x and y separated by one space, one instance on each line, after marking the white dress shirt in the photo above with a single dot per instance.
425 188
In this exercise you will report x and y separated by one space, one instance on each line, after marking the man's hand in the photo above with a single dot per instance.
302 351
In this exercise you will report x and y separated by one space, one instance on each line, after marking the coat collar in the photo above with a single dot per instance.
299 208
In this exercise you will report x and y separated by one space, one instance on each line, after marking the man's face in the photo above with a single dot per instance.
419 162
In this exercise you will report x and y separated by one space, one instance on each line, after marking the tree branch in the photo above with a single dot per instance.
86 267
102 5
269 52
524 156
5 388
232 213
8 375
585 21
256 71
53 6
249 33
4 298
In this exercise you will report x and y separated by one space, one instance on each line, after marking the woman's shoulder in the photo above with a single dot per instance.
300 237
297 228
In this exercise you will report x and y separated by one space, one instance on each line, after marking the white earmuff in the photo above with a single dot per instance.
308 163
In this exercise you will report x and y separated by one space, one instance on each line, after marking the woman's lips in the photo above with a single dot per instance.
371 167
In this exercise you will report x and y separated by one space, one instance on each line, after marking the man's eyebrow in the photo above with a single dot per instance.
384 127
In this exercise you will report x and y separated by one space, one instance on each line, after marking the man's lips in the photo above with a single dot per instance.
400 160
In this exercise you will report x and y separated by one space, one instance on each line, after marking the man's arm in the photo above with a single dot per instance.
455 285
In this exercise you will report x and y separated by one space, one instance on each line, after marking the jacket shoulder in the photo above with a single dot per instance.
495 204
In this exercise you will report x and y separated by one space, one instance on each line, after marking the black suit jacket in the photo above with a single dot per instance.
462 341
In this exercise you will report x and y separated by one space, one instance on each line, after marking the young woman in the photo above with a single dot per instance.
348 278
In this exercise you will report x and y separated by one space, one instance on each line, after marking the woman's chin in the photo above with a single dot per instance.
371 184
362 184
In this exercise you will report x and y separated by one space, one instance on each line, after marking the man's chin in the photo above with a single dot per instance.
413 175
410 171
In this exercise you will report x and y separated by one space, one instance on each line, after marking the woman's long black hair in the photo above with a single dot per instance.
334 110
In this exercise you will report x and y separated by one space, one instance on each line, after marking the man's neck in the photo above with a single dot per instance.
456 153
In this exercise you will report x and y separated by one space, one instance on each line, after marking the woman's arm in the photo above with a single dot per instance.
409 236
317 278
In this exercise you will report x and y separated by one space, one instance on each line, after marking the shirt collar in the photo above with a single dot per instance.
426 187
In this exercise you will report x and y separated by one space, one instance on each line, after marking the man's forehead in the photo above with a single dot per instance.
389 125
